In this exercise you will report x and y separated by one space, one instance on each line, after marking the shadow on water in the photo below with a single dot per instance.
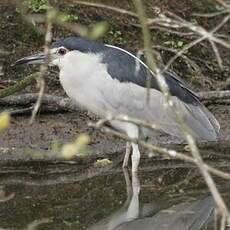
106 198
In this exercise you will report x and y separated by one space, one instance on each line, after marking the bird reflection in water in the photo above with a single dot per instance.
192 214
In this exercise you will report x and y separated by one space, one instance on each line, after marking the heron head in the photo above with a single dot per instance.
54 57
61 48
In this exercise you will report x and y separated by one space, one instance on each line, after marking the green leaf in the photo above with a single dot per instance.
180 44
98 30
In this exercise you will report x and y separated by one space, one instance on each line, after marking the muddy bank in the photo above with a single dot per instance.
21 137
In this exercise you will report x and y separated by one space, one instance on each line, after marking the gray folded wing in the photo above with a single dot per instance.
128 96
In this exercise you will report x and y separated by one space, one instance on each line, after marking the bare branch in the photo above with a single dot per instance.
186 59
216 52
164 151
44 67
210 15
183 50
223 3
147 44
106 7
214 95
184 128
204 35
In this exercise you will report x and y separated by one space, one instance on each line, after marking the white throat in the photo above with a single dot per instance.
79 76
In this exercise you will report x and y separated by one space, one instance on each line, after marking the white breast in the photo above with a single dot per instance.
83 78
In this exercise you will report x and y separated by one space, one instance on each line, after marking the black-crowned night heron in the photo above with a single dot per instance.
110 81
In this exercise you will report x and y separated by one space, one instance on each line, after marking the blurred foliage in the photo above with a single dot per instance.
68 17
103 162
4 120
59 17
37 6
72 224
77 147
66 20
118 36
174 44
98 30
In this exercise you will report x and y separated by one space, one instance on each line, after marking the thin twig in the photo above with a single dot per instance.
106 7
201 31
183 50
39 99
223 223
211 15
44 67
172 31
21 111
184 128
186 59
125 118
223 3
179 22
36 223
204 35
217 54
147 43
164 151
214 95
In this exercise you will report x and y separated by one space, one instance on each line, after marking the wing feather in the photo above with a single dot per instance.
131 82
126 67
199 120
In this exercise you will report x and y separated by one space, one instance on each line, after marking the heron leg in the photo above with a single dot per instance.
134 207
133 132
135 157
129 190
127 154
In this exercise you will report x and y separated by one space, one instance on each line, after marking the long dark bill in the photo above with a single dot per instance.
33 59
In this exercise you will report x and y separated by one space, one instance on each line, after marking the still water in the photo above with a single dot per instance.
170 195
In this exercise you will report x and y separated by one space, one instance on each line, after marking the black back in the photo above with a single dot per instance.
126 68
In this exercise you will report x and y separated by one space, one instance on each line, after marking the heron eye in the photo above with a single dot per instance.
62 51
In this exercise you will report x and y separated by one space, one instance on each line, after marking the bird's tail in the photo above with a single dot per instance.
201 122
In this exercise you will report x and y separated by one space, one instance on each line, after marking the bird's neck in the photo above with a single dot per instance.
79 76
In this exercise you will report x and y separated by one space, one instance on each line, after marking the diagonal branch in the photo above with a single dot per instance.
162 151
184 128
44 67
